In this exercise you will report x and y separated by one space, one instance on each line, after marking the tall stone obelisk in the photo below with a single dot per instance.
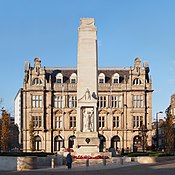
86 134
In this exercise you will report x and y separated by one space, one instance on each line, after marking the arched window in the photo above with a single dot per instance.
73 78
137 81
58 143
37 143
59 78
115 142
37 81
71 141
115 78
101 78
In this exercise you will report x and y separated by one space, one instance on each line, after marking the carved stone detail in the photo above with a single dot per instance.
88 116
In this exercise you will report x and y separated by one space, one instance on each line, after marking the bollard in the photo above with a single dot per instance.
122 160
53 164
61 160
87 162
104 162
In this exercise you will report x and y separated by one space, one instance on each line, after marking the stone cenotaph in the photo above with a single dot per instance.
87 140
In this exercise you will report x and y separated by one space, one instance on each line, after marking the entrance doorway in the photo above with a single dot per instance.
137 143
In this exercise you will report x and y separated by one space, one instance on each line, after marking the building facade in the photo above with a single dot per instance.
18 110
124 106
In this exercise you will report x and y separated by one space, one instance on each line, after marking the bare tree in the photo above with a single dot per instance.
5 131
169 134
143 136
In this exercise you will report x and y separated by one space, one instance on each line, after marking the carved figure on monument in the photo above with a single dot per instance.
88 115
87 95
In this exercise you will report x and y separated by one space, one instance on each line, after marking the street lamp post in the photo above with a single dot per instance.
157 129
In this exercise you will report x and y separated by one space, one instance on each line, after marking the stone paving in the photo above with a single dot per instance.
164 168
76 169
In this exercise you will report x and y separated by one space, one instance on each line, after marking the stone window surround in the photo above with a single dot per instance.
37 121
37 101
137 121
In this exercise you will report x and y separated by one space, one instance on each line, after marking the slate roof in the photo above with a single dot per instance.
67 72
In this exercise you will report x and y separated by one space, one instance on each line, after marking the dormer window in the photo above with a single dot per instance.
115 78
59 78
137 81
37 81
73 78
101 78
73 81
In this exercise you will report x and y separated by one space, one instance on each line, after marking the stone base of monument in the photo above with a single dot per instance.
86 142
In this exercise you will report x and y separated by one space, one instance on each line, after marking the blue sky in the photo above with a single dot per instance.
126 29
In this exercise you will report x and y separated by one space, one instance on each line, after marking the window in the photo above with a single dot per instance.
37 121
58 143
116 121
73 81
37 81
101 78
137 81
116 101
72 121
58 121
72 101
71 141
73 78
102 102
36 101
115 78
59 101
59 78
137 101
37 143
101 121
137 121
116 81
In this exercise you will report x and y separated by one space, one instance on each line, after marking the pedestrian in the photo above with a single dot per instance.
69 160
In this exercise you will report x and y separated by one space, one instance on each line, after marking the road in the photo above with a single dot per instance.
164 168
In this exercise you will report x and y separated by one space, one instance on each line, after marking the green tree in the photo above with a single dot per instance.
5 131
32 137
169 134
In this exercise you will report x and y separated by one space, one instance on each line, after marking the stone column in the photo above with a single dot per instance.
86 135
87 68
